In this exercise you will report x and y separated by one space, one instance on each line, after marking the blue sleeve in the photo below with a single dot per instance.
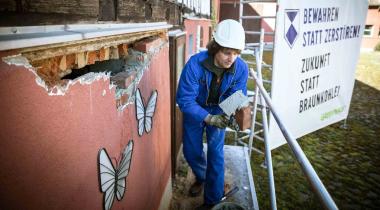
188 90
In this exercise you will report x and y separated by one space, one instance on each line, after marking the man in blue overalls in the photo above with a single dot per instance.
208 78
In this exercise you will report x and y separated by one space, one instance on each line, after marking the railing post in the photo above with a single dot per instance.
268 154
306 166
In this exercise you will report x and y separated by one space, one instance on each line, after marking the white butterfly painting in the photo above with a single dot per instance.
144 114
112 181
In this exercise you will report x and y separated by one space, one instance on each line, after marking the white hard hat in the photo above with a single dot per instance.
230 34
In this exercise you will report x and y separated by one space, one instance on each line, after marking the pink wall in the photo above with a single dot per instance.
191 29
50 144
373 18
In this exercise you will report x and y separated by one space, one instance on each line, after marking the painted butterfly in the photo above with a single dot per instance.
144 114
112 181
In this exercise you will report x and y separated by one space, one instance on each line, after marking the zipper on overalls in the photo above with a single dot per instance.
207 88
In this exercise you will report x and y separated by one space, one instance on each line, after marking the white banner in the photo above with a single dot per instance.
317 47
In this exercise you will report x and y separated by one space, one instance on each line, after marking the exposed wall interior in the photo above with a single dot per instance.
59 66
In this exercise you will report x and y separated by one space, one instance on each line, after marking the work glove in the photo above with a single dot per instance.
220 121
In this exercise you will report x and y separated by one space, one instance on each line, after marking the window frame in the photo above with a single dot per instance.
366 30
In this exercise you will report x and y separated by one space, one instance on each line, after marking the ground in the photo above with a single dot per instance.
181 185
236 176
345 156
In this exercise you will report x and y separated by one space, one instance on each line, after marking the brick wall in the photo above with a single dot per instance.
80 7
41 12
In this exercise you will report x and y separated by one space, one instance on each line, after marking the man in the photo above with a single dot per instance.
208 78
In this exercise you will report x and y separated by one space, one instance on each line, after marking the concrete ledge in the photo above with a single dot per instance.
237 174
30 36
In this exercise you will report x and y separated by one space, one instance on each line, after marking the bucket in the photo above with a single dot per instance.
227 206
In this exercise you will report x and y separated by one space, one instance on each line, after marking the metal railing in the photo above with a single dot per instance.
261 97
307 168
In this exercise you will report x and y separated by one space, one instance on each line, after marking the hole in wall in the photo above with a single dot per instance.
112 66
122 64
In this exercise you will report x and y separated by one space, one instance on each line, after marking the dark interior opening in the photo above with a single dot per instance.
114 66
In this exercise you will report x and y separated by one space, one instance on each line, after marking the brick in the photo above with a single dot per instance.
70 61
48 69
53 65
128 81
92 56
122 100
102 54
244 118
147 45
123 79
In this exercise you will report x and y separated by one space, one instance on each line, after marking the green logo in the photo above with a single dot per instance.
331 113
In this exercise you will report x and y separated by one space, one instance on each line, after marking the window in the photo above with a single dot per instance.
201 37
191 43
368 30
199 40
180 60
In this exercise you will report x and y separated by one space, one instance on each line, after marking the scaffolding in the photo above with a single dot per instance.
262 106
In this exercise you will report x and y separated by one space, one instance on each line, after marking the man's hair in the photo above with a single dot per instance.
214 48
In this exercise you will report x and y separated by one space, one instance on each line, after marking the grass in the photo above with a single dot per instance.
266 72
368 70
346 159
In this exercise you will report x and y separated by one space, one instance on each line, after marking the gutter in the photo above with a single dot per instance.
31 36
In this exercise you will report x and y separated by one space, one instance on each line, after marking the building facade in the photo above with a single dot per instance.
371 36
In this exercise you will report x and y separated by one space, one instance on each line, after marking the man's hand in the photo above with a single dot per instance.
220 121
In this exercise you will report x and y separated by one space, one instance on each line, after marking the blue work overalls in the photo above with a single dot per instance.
192 94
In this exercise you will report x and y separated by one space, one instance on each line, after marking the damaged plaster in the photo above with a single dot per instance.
59 89
136 64
17 60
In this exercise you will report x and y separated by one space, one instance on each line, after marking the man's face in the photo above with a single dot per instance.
225 57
